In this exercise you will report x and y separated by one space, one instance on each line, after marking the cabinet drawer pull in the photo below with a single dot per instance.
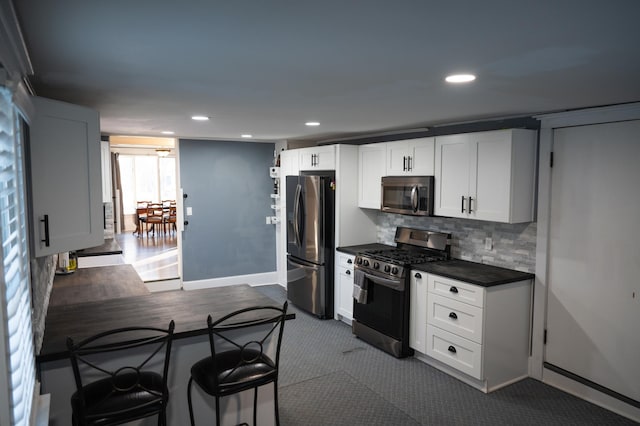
349 261
453 289
348 272
453 315
418 275
452 349
46 240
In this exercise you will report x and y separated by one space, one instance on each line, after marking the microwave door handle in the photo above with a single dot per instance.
414 198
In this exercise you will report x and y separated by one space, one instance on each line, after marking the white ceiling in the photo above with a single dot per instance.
265 67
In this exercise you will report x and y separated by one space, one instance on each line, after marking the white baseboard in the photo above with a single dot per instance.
103 260
589 394
251 279
163 285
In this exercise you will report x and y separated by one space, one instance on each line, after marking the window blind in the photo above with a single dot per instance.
18 365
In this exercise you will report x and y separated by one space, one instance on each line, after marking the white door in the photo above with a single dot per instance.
371 169
422 151
593 310
491 177
452 169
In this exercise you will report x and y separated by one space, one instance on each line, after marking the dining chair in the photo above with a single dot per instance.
155 216
171 218
141 215
121 375
245 354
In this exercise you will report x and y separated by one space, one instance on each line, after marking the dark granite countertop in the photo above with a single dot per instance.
474 273
189 310
463 270
361 247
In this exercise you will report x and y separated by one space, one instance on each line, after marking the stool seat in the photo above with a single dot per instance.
138 390
232 375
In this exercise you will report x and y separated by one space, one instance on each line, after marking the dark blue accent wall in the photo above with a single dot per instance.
228 187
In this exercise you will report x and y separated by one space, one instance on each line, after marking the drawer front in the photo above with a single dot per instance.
456 352
457 290
345 260
456 317
346 272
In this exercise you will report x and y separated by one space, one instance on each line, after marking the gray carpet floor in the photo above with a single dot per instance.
330 377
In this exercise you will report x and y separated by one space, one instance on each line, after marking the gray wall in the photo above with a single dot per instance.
228 187
514 245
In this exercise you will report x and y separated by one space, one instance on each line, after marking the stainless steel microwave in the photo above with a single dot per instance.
411 195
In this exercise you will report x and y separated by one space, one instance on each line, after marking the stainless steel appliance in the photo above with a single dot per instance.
410 195
381 314
310 242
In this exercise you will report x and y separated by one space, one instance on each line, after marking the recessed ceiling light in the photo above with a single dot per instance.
247 136
460 78
200 118
167 132
312 123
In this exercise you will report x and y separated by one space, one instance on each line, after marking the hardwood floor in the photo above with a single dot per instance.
153 258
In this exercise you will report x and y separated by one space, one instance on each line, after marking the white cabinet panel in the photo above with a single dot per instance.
418 312
344 283
66 178
371 167
456 317
457 290
413 157
486 175
461 354
318 158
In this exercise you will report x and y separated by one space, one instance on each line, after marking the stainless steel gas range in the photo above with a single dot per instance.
381 287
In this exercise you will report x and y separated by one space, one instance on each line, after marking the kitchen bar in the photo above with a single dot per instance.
189 310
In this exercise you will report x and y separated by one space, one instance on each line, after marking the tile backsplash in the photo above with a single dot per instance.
514 245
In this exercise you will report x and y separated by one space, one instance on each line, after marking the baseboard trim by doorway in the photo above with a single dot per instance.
163 285
251 279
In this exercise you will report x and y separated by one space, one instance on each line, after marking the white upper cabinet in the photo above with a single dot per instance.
371 168
413 157
318 158
66 178
486 175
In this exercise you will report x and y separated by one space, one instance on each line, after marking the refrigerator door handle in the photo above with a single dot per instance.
303 263
296 215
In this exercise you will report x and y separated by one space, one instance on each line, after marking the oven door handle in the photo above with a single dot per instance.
397 285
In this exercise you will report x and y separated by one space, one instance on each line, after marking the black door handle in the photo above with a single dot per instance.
453 315
453 289
46 240
462 205
452 349
470 199
186 222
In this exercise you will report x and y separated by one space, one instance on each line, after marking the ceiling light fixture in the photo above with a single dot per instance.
312 123
162 152
460 78
246 136
200 118
167 132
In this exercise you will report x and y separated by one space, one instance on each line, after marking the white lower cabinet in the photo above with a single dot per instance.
344 286
477 334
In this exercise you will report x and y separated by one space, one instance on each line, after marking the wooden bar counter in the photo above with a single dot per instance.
189 310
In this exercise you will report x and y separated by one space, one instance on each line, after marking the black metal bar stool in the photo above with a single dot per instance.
113 395
245 353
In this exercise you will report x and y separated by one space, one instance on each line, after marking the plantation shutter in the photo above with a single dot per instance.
17 365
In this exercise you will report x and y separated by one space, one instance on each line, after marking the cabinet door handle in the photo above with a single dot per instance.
46 240
348 272
452 349
470 199
404 163
453 315
349 261
409 167
418 275
453 289
462 205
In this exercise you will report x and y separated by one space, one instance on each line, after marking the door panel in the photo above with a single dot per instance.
594 262
312 220
305 287
452 175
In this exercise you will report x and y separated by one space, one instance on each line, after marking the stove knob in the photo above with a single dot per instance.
366 262
394 270
359 261
376 265
387 268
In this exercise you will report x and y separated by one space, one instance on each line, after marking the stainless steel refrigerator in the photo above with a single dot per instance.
310 242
